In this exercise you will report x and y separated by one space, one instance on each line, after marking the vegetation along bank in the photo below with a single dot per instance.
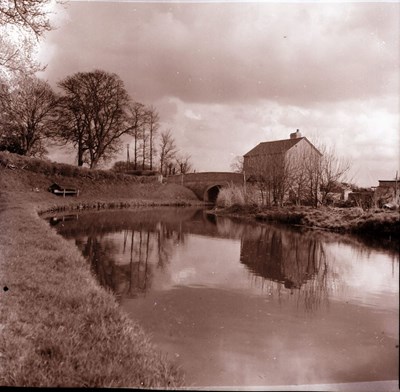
58 326
377 222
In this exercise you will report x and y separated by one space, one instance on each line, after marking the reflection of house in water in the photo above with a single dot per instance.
282 256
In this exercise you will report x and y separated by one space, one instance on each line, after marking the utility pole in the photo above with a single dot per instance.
127 153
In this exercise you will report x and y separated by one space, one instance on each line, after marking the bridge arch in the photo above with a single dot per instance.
211 193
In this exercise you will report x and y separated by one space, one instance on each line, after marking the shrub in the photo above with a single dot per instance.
65 170
238 195
35 165
231 195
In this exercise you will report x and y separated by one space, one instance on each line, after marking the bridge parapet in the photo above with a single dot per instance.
205 177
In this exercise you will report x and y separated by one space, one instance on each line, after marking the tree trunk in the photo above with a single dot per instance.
80 152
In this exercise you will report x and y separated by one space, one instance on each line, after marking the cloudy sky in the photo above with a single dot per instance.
225 76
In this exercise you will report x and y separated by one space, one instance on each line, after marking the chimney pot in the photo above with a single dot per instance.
295 135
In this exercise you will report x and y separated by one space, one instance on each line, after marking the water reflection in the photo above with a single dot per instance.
283 257
294 259
124 248
247 304
129 250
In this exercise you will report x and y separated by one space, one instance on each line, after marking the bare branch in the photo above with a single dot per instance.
27 14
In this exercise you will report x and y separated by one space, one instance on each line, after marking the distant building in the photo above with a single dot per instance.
388 184
388 191
338 192
363 199
284 168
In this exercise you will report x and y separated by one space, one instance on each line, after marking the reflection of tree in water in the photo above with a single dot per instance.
229 228
100 252
146 249
140 272
167 238
293 259
316 290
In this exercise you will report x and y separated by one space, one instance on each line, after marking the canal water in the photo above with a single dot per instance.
245 304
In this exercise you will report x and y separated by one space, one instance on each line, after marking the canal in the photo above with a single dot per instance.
246 304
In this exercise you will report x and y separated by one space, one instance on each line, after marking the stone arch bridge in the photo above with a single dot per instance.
206 185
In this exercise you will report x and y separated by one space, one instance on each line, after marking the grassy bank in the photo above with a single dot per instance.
58 326
237 201
343 220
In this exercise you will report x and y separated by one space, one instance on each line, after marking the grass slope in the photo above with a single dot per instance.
58 326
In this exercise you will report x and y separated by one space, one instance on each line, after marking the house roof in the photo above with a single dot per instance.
276 147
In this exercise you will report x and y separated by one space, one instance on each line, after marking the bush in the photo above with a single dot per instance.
65 170
36 165
231 195
239 196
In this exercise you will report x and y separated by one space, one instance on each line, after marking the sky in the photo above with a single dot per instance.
225 76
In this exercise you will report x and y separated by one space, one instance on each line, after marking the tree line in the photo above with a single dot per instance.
92 113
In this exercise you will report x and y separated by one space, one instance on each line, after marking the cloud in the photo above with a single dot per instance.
291 53
226 76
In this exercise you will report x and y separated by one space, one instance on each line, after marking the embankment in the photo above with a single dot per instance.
58 326
378 223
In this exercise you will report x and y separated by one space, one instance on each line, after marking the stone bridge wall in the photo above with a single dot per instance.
206 185
205 177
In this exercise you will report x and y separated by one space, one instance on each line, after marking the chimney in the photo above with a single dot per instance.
295 135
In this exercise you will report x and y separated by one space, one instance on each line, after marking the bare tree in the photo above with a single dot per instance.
145 123
97 104
152 125
313 176
183 163
304 175
27 116
168 152
137 120
270 175
145 149
332 171
237 164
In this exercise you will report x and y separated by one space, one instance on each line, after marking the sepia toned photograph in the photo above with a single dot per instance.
200 195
